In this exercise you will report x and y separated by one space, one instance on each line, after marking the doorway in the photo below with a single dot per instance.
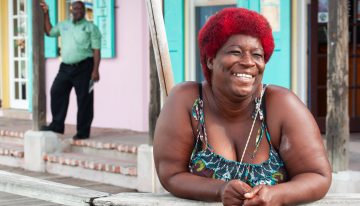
318 63
200 11
18 56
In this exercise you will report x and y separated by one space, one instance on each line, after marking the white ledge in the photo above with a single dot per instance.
143 199
46 190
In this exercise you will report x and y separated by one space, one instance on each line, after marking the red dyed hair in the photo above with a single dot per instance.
230 21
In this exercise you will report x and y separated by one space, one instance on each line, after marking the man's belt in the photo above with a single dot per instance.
78 63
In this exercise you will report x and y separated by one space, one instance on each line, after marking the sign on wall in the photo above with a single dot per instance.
323 14
271 10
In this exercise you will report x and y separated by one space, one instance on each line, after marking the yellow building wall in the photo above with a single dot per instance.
4 55
62 10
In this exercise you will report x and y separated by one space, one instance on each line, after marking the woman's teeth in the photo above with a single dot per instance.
242 75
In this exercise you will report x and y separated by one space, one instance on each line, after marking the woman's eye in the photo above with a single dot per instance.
235 52
258 55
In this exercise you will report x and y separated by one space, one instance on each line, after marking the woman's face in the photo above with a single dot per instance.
238 67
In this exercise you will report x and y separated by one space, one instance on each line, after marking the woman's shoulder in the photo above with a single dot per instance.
280 95
184 93
280 101
184 89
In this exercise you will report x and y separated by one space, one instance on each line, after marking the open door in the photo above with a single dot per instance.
318 63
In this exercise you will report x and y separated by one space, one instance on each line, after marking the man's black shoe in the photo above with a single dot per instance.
50 128
79 137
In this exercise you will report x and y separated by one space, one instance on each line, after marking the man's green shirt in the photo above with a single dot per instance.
77 39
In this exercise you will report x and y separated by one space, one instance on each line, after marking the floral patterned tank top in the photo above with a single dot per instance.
205 162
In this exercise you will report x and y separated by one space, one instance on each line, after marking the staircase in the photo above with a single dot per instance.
11 148
109 156
106 162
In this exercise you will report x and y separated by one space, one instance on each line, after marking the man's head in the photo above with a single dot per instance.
78 10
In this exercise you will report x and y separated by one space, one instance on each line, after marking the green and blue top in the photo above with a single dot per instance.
205 162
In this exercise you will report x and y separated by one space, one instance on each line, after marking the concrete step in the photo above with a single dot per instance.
11 154
11 136
12 149
16 114
113 171
114 150
94 162
47 190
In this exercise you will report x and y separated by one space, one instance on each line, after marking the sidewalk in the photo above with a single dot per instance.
20 126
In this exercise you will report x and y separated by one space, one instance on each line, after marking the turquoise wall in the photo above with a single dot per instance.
277 70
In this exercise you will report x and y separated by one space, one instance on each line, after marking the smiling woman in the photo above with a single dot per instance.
232 138
227 67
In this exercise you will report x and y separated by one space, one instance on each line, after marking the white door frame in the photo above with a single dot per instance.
299 49
190 38
17 102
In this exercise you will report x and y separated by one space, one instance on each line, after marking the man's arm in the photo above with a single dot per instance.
47 24
97 57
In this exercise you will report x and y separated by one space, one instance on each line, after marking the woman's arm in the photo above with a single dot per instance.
302 149
173 144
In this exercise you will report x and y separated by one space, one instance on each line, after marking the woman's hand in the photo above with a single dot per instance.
232 193
261 195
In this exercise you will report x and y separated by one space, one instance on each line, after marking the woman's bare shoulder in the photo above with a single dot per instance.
281 97
185 92
283 109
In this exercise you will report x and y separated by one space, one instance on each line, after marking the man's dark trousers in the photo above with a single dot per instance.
69 76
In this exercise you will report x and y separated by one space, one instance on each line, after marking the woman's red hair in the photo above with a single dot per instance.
230 21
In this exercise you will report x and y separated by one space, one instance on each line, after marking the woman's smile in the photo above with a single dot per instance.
243 77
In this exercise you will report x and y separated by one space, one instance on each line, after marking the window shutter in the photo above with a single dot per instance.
51 43
252 5
243 3
174 25
104 18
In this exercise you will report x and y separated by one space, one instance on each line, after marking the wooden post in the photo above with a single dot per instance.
154 106
337 118
38 96
160 45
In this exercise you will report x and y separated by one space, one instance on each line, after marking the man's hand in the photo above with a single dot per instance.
47 24
95 75
44 7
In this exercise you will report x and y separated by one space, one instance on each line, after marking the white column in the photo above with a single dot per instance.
36 145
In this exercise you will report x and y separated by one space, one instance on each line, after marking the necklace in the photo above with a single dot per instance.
257 111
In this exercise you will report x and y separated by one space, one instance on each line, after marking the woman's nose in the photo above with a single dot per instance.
247 60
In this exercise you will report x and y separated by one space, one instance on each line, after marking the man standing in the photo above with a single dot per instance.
80 51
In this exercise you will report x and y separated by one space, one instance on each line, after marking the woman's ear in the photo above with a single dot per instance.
209 63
